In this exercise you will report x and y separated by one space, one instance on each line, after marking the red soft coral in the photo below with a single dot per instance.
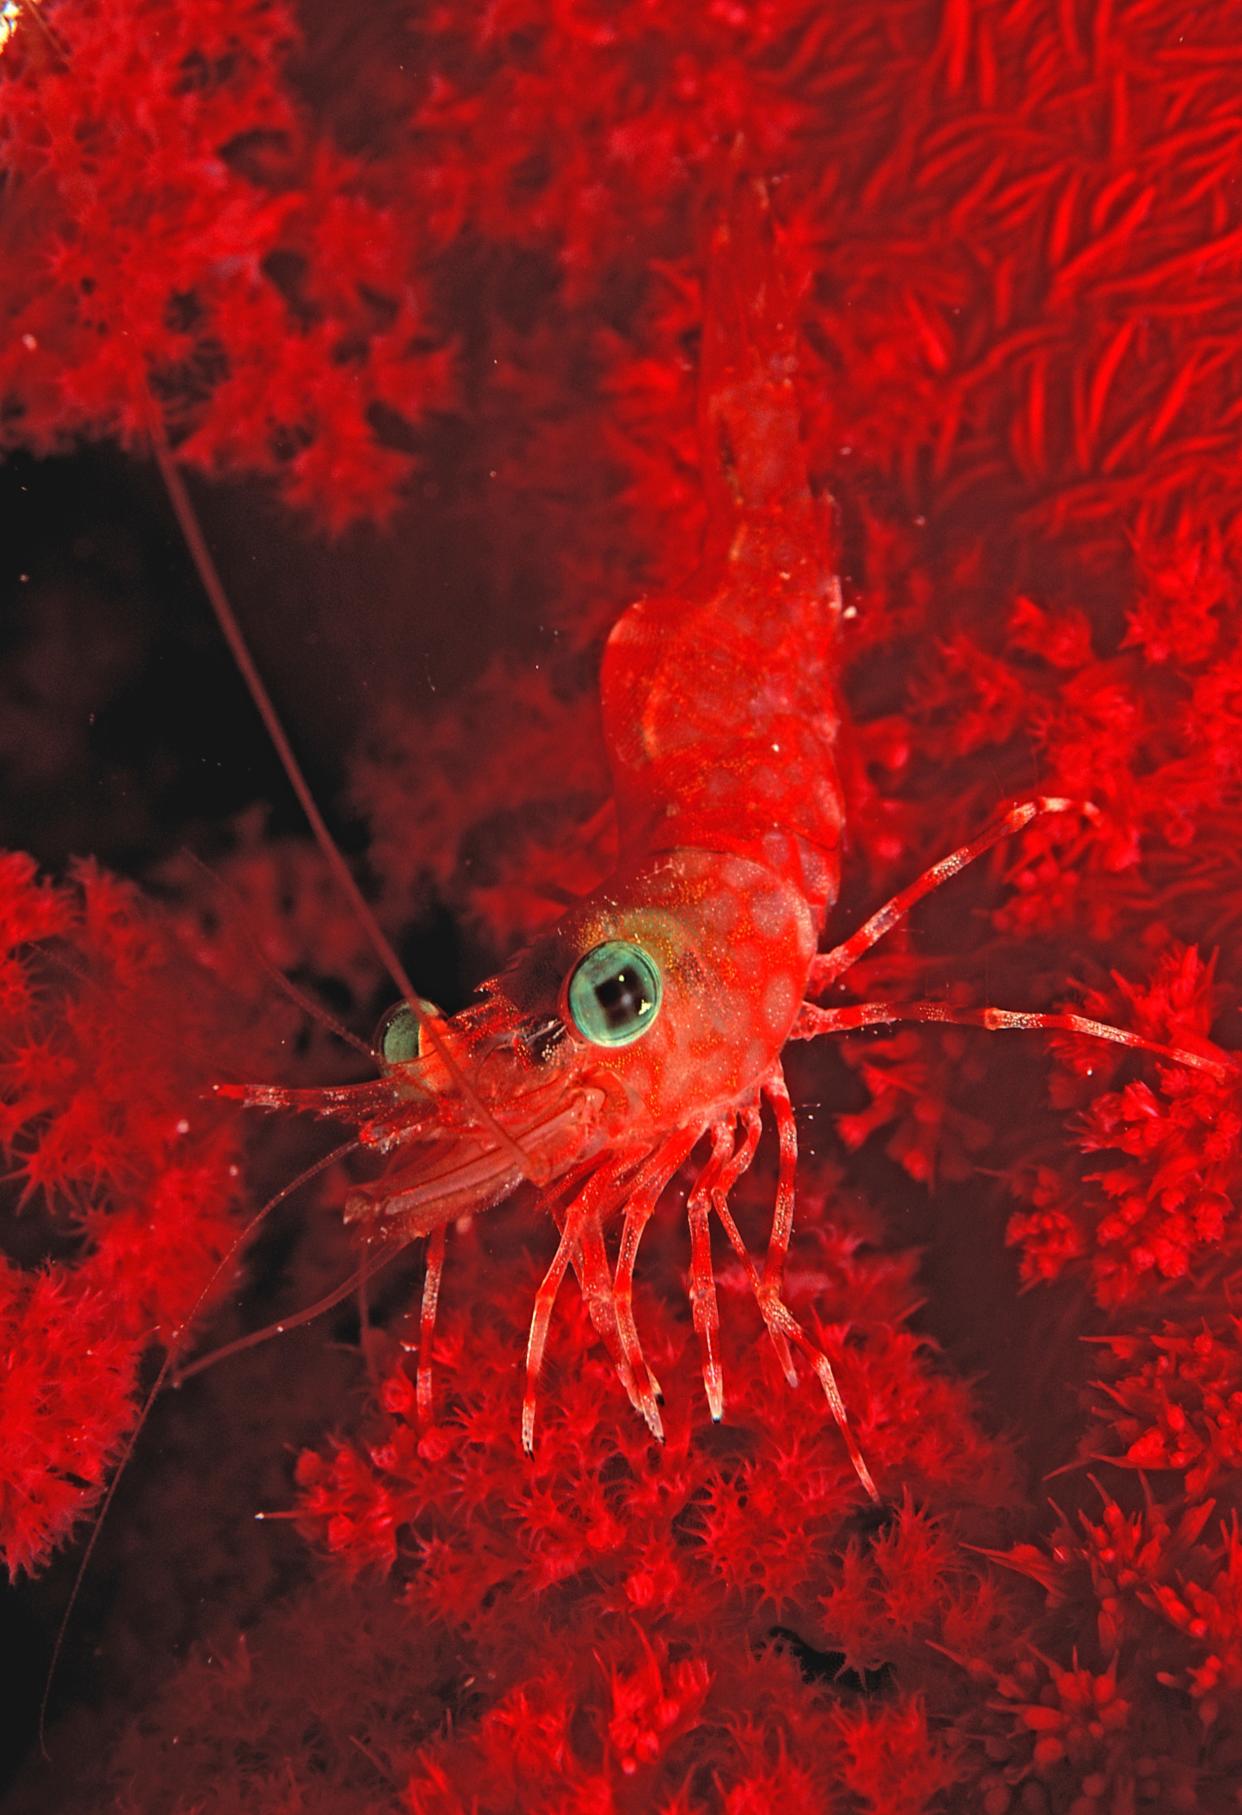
109 1040
1176 1401
1169 1201
1014 235
187 236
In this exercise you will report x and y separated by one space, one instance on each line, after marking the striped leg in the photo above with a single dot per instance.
587 1204
730 1173
591 1266
780 1319
643 1198
813 1021
830 965
782 1219
703 1305
427 1320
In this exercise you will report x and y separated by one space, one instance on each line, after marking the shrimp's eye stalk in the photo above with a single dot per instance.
614 994
399 1036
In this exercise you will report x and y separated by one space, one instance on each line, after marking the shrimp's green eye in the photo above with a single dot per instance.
614 994
399 1036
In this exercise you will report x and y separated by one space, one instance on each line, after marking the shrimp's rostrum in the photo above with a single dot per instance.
654 1013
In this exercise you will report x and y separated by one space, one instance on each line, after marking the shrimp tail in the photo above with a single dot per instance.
684 750
750 426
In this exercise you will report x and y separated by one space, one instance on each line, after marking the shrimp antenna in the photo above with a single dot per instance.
165 1369
360 1276
310 1007
381 945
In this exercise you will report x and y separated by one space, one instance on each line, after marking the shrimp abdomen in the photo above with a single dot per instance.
719 705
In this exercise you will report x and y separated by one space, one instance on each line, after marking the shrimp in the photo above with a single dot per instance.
654 1013
652 1017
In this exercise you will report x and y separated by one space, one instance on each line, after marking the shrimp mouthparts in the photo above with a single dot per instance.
451 1172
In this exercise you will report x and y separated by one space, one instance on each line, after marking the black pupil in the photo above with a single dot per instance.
620 998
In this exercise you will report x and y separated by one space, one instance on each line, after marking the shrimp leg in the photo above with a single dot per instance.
586 1205
643 1198
828 966
812 1021
781 1320
589 1260
591 1265
731 1172
777 1093
704 1308
427 1320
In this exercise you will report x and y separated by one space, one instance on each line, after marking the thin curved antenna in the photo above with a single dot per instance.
153 1392
312 1009
360 1276
231 630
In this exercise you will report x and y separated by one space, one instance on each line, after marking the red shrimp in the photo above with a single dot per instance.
654 1013
652 1017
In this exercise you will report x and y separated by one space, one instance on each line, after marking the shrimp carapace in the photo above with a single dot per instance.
635 1015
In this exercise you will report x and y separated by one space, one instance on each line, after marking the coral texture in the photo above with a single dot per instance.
443 265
